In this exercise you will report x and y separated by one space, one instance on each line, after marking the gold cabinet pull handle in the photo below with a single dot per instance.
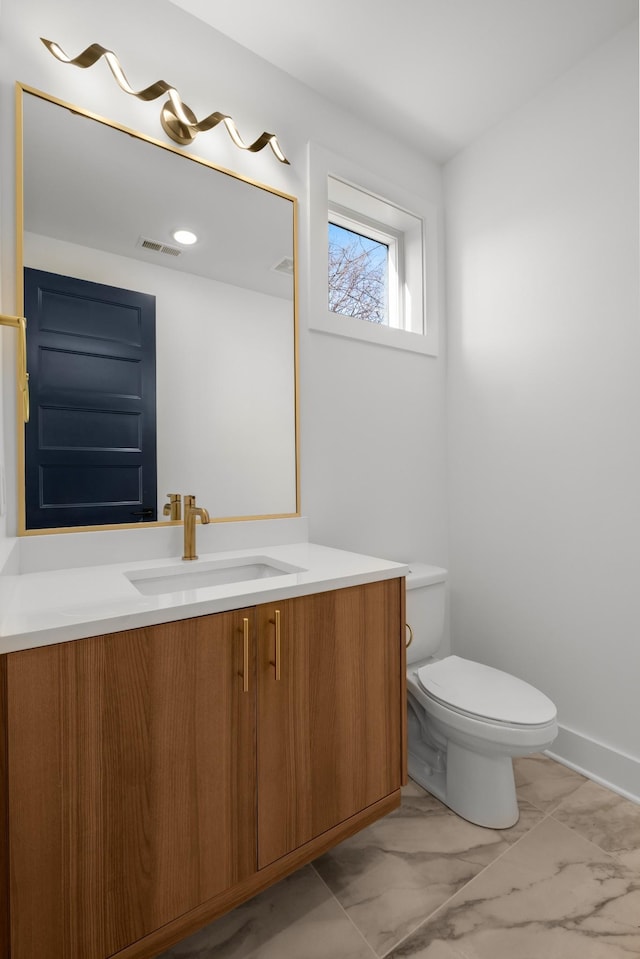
245 668
277 663
410 636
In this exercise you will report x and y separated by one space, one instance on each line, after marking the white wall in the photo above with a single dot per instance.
544 404
372 421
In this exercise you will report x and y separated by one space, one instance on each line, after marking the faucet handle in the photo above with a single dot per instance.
189 501
173 508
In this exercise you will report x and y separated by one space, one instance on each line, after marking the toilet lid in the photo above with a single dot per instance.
483 691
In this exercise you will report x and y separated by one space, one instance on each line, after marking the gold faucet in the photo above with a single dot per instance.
173 509
191 512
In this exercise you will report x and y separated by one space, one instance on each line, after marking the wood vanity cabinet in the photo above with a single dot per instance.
156 778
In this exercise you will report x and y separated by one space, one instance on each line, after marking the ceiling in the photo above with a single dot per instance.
436 73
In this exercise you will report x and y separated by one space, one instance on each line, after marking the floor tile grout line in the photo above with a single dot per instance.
374 954
466 885
425 920
443 904
546 817
545 814
438 908
547 808
533 781
607 852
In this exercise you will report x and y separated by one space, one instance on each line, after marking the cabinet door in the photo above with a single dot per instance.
329 728
131 782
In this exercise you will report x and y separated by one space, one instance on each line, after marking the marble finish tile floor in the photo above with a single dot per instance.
563 883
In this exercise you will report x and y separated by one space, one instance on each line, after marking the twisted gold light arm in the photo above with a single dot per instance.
177 119
19 323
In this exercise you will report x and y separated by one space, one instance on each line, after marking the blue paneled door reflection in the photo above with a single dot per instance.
90 445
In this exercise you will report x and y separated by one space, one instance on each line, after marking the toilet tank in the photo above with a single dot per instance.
425 609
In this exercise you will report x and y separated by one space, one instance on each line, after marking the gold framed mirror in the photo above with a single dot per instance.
97 204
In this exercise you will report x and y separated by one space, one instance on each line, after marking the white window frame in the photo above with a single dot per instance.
421 309
393 240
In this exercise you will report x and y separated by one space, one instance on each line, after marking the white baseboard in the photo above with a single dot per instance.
616 770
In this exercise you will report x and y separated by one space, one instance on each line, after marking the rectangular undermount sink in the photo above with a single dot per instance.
173 579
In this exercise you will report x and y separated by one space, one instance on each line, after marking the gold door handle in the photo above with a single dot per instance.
410 636
19 323
245 667
277 662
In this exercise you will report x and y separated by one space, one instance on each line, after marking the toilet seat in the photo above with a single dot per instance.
482 692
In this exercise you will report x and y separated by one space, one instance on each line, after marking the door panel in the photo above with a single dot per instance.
329 730
131 782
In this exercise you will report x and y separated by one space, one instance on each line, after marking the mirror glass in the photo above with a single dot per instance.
100 206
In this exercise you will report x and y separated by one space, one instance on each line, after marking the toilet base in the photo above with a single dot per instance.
479 788
434 781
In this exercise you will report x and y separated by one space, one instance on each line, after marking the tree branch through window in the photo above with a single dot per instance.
357 275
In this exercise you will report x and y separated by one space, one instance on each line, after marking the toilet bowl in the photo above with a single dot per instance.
466 721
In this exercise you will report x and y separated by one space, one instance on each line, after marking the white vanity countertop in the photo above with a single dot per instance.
42 608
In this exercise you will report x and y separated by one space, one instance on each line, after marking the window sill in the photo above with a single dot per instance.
355 329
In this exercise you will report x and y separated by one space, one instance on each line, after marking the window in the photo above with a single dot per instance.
363 269
368 257
374 259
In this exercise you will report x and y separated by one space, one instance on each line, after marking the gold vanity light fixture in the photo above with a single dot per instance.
177 119
19 323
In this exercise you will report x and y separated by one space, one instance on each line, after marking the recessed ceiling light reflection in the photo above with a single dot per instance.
184 237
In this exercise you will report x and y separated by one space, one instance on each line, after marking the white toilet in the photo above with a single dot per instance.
466 721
